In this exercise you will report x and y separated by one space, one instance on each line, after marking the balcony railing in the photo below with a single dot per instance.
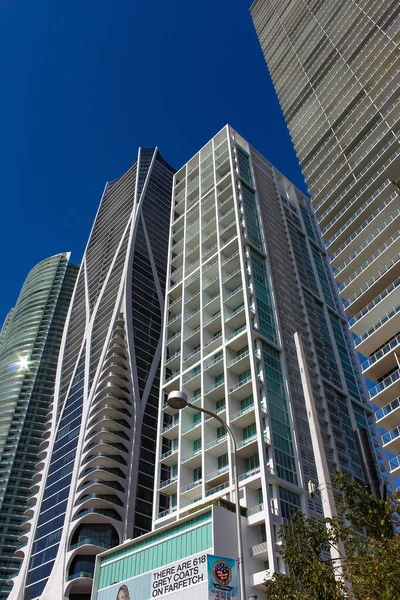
255 509
214 339
169 481
191 455
170 426
391 435
217 473
384 384
173 357
248 474
238 358
382 352
190 501
386 410
247 441
168 453
217 488
374 303
212 362
214 386
190 486
241 412
216 442
166 512
377 325
240 383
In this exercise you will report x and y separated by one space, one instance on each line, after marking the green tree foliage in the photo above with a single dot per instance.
368 541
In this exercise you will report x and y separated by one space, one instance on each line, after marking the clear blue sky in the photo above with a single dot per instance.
85 82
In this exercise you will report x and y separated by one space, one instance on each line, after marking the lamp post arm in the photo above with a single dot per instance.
242 586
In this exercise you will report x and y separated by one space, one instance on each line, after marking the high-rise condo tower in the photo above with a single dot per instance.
335 67
94 488
246 271
29 345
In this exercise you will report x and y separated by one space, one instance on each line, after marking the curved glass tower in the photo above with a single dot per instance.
29 345
95 485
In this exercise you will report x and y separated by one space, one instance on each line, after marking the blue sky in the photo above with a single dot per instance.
85 82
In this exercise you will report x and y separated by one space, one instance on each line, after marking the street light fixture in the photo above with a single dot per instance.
179 400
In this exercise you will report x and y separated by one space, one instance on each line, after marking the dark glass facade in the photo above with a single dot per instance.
100 473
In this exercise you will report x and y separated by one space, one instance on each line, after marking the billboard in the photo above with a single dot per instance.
172 580
203 576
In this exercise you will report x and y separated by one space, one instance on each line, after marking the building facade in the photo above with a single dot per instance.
246 271
94 486
29 345
171 561
335 67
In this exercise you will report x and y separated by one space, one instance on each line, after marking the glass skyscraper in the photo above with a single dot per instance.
246 271
94 487
29 345
335 67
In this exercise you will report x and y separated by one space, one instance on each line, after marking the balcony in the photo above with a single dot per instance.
374 286
379 332
193 377
394 465
375 309
215 318
249 474
168 483
174 358
213 343
217 474
375 205
168 511
190 501
373 264
192 357
244 417
168 378
389 416
170 430
218 446
391 440
361 249
80 575
386 390
255 509
214 361
193 458
174 341
248 446
217 489
191 486
233 280
382 361
169 457
242 388
240 362
211 392
236 333
91 541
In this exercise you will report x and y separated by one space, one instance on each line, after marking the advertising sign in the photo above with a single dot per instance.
175 578
222 578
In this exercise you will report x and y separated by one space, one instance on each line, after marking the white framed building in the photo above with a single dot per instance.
246 270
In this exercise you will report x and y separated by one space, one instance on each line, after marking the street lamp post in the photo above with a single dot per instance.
179 400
